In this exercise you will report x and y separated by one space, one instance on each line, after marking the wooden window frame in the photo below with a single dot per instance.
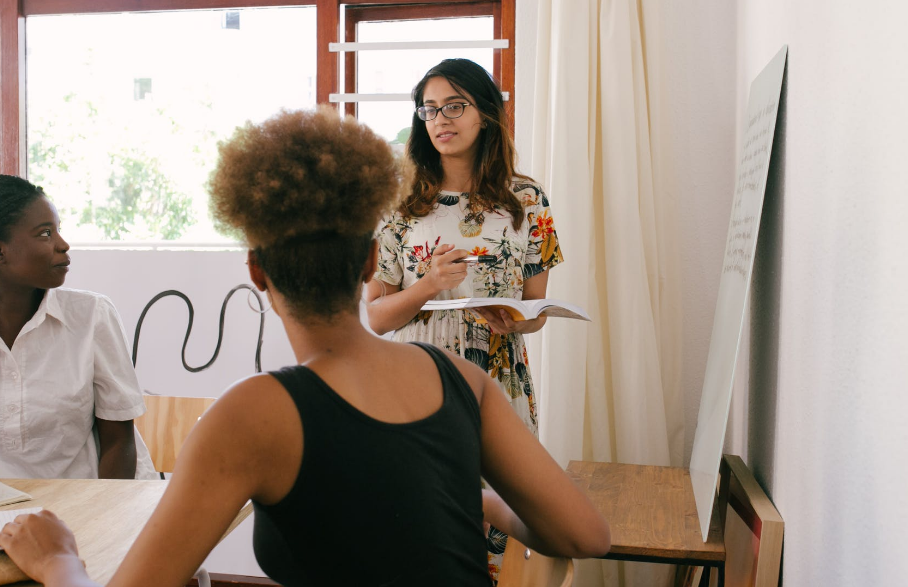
502 12
12 44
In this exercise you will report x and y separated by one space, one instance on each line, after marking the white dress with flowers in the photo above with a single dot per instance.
406 247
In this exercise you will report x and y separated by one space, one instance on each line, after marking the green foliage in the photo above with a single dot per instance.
118 174
402 137
142 200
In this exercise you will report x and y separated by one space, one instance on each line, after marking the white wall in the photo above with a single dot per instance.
132 278
828 358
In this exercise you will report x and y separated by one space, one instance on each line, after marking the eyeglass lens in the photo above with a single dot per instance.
452 110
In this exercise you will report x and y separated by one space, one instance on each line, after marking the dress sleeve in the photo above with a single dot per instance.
543 250
116 387
391 235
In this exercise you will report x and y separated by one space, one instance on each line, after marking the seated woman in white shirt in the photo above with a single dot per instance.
65 372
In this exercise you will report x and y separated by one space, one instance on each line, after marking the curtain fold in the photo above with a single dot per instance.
608 391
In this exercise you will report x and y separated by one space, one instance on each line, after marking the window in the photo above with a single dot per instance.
122 110
396 71
141 88
231 20
123 128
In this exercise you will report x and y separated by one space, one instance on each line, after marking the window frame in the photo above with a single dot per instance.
502 12
13 144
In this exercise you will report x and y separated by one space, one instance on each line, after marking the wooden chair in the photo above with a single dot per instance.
753 528
166 424
753 532
522 567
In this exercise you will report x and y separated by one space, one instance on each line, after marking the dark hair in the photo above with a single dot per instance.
494 168
306 190
15 196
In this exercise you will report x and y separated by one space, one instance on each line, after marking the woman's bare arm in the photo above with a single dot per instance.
540 505
117 450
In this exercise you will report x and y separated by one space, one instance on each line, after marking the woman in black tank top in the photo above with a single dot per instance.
355 471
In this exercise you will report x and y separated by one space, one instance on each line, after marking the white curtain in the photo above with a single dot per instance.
608 391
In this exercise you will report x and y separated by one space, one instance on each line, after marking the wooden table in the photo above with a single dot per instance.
105 515
652 514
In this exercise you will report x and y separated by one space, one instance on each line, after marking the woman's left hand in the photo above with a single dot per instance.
500 322
38 543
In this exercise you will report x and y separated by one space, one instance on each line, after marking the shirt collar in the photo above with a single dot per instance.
50 306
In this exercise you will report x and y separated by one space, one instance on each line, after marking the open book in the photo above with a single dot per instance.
518 309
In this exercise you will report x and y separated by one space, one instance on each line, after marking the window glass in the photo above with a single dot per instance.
124 111
396 72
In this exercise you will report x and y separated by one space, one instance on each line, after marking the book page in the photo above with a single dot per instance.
556 309
7 516
9 495
462 303
518 309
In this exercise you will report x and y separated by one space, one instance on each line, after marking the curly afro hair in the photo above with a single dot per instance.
306 190
303 172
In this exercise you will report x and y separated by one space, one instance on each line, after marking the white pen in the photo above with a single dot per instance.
477 259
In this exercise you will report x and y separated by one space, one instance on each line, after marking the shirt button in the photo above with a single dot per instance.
12 409
15 376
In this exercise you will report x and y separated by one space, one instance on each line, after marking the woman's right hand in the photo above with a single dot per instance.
444 271
39 544
391 307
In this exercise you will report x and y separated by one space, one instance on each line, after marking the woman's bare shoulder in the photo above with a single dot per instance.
253 406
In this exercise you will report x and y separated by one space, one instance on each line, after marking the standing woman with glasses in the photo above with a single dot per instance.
466 199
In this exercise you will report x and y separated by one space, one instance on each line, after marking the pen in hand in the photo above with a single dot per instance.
477 259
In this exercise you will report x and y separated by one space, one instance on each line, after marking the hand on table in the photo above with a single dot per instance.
36 541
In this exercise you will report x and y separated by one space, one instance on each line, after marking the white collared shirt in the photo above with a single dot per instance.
69 364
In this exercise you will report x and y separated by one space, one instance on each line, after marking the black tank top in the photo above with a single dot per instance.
377 503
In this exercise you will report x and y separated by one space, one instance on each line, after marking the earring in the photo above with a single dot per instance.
259 300
378 300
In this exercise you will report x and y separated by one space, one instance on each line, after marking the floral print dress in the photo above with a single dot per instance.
406 247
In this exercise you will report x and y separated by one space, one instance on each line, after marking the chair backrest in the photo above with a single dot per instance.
753 528
522 567
167 423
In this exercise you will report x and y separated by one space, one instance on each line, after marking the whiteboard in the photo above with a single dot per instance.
737 267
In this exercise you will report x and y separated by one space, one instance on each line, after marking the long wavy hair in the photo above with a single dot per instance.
493 169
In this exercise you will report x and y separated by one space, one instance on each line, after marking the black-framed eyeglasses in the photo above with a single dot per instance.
449 110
